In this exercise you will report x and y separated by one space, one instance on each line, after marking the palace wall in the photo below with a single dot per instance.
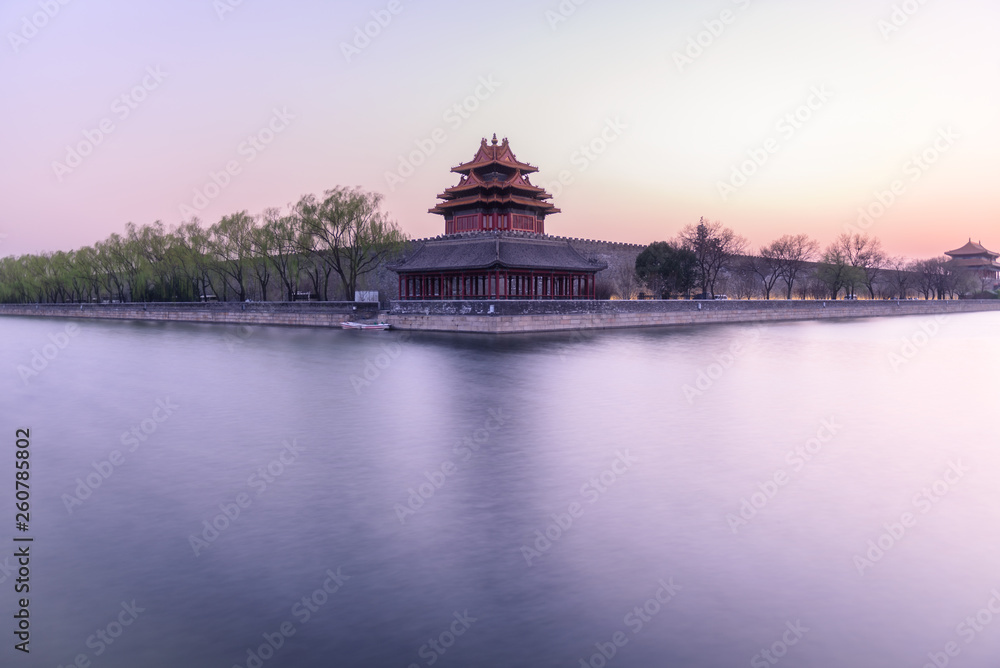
612 253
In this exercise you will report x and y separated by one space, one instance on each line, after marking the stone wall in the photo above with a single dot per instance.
303 314
538 316
612 253
509 316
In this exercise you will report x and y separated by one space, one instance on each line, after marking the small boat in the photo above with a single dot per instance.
361 325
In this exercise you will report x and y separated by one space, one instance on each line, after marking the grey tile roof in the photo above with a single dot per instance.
485 251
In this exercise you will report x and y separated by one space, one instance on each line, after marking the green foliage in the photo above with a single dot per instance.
346 233
667 268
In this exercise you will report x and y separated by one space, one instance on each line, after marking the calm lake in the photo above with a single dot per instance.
810 494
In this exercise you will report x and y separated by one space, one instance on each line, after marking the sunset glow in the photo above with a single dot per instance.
773 117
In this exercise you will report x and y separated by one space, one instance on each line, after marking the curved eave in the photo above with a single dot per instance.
498 264
492 186
466 202
483 253
467 167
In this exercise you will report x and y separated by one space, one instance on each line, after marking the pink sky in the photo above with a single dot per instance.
882 98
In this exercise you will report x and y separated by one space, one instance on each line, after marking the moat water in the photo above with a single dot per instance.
811 494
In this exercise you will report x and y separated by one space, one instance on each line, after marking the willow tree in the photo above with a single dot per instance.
349 233
232 246
283 248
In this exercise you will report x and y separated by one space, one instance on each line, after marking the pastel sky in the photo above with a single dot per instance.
887 94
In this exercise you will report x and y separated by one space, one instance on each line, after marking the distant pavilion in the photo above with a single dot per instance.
978 261
494 246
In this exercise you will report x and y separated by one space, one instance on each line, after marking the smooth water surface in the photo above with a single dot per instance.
736 473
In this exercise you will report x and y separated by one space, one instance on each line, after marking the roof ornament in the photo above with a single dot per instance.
494 139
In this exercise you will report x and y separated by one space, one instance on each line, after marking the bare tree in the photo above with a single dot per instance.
863 252
766 266
791 255
900 275
714 247
745 278
835 271
624 281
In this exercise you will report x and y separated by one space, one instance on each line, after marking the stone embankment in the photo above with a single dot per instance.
543 316
300 314
500 317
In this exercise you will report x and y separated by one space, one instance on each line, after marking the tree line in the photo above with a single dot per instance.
341 236
708 259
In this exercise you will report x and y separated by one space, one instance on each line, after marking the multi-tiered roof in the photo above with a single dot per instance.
494 193
974 256
495 245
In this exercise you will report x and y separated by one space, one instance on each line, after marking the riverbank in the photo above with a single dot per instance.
501 317
521 316
293 314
